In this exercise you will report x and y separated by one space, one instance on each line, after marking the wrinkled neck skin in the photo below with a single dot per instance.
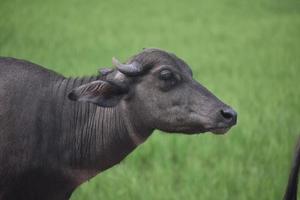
91 138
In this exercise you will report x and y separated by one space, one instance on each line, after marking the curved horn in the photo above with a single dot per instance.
132 69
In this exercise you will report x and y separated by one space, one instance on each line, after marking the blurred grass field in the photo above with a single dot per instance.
246 52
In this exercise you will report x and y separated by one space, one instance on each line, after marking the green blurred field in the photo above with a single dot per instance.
246 52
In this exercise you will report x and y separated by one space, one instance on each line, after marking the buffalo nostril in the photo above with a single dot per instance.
229 115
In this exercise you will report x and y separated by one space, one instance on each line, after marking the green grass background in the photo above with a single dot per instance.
246 52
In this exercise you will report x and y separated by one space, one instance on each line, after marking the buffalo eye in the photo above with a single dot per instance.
166 75
168 79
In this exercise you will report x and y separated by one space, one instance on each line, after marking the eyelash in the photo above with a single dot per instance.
169 78
166 75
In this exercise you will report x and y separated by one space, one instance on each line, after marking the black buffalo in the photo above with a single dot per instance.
57 132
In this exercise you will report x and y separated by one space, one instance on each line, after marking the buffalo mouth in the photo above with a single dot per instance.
194 130
219 131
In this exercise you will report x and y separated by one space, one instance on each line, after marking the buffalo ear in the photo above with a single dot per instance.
101 93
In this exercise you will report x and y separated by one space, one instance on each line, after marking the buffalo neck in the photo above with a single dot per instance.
90 137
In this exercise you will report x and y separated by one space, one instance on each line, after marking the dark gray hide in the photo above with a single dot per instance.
292 186
57 132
